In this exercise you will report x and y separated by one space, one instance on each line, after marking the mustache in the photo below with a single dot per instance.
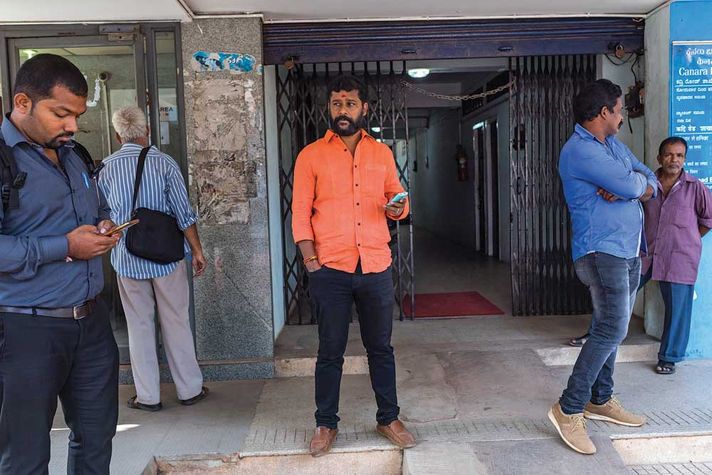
344 118
54 143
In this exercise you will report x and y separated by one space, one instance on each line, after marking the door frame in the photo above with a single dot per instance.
490 212
15 44
92 35
13 37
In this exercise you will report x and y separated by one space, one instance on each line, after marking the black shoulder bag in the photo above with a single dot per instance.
157 236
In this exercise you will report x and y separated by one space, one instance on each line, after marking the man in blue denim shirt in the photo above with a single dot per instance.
604 185
54 342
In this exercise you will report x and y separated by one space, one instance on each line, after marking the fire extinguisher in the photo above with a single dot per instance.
461 159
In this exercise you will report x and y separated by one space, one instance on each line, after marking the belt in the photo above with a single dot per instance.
77 313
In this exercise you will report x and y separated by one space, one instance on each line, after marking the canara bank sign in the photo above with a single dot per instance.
694 57
691 105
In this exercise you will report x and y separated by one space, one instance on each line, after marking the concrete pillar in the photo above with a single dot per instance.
657 120
226 162
678 21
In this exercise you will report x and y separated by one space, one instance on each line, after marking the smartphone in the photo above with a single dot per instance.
398 198
121 227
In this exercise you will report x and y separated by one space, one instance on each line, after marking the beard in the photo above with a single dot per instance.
351 129
56 142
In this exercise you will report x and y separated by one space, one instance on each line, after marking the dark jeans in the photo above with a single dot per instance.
42 358
333 292
613 282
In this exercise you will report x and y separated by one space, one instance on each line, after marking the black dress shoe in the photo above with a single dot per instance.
579 340
202 395
134 404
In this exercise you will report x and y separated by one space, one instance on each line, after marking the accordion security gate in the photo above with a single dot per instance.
541 120
303 117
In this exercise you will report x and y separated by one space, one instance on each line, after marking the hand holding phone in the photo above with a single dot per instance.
117 229
398 198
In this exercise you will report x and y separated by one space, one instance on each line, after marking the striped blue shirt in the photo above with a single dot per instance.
162 189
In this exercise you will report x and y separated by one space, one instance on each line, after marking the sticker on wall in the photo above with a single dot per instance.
233 62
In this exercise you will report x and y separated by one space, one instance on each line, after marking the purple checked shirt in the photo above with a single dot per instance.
671 230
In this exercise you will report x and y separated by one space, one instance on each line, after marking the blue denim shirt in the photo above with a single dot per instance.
33 246
585 165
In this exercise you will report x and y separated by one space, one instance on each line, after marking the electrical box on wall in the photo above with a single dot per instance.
635 100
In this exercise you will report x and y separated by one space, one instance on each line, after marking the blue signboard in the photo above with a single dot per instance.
691 104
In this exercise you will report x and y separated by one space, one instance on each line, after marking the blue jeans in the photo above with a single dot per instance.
333 293
613 282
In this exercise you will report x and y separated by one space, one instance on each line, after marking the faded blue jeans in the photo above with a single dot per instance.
613 282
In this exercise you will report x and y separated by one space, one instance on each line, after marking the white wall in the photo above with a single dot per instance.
623 76
501 114
273 197
441 203
657 120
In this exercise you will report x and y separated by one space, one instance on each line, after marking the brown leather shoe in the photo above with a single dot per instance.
397 433
322 440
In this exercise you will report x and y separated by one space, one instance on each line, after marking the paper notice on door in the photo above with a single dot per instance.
165 133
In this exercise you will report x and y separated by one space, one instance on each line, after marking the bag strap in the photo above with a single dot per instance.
86 158
139 174
11 180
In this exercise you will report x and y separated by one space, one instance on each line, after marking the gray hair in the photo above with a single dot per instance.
130 123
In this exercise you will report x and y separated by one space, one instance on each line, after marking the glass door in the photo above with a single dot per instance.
115 74
124 64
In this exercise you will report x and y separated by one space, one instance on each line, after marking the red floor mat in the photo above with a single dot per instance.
452 304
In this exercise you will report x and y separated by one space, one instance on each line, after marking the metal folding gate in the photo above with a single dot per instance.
541 120
303 117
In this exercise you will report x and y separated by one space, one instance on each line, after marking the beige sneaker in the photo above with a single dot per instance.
613 411
572 429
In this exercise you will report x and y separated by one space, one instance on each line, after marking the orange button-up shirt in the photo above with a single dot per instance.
339 202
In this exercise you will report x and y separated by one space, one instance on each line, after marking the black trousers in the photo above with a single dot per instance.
42 358
333 293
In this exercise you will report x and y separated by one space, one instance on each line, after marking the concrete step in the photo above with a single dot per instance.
290 367
627 353
651 450
689 468
382 462
301 367
513 457
665 454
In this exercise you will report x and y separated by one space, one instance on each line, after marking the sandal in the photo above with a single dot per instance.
134 404
201 395
665 367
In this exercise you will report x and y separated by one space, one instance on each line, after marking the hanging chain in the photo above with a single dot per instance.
479 95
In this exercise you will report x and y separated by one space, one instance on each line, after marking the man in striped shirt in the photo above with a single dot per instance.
145 284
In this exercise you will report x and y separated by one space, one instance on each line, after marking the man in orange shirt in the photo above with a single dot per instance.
343 183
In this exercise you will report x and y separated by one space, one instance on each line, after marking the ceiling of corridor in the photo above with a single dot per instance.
17 11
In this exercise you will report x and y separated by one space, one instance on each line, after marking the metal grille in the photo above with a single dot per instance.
541 120
303 117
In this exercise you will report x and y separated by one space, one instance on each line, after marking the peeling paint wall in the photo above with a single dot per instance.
226 148
228 184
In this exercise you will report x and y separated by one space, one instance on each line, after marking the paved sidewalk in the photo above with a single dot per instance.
475 391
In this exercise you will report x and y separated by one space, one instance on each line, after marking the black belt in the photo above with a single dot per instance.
77 313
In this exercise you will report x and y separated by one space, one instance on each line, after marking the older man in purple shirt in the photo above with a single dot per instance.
675 221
